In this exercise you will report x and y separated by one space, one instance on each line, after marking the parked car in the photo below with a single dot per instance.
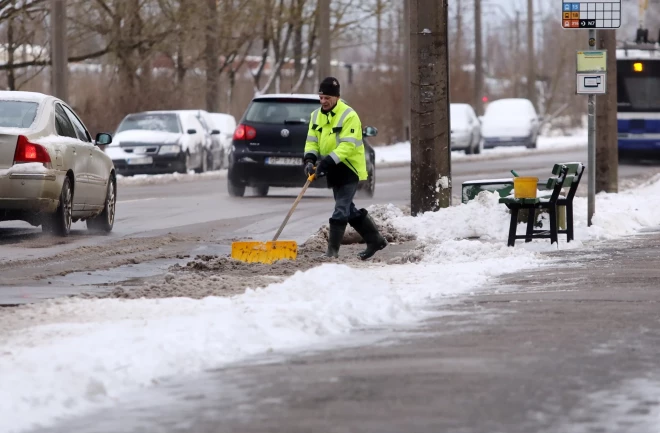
213 146
51 171
226 124
155 142
465 129
269 143
510 122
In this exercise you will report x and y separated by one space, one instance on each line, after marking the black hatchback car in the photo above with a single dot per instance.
269 143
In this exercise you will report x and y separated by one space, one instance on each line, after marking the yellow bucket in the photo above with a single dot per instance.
525 187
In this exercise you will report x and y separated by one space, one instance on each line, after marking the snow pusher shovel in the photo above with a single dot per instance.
270 251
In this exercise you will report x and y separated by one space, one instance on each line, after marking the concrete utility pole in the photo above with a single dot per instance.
405 63
607 152
516 71
531 70
430 167
58 51
324 48
478 61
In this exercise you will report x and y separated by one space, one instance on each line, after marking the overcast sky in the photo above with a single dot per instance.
628 7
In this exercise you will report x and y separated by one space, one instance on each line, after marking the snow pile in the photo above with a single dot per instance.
159 179
578 140
619 214
28 167
400 152
155 136
483 218
70 356
382 216
56 139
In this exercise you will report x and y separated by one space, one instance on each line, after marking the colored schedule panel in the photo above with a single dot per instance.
604 14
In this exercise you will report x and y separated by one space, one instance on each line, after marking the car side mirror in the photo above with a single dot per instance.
192 131
215 132
103 139
370 131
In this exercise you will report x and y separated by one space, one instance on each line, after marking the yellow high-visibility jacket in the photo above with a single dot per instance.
338 134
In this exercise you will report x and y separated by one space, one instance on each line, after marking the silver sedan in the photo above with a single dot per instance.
52 172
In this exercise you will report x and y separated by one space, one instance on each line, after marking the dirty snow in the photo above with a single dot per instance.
400 152
67 357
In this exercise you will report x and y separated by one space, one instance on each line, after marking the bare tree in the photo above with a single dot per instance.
211 57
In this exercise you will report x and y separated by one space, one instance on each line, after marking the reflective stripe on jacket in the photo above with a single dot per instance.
338 134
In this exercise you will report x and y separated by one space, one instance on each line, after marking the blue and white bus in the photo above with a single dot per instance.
638 101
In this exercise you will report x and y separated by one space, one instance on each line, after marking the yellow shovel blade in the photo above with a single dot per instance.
264 252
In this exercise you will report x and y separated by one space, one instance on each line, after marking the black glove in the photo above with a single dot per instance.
325 165
309 167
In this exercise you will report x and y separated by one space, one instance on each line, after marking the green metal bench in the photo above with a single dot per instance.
567 175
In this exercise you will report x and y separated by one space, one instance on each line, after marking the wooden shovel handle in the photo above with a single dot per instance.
295 203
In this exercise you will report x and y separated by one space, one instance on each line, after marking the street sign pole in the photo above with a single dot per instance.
591 68
591 73
591 142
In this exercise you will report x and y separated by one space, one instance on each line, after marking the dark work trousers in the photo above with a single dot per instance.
345 209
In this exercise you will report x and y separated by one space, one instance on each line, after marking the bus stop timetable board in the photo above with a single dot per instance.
604 14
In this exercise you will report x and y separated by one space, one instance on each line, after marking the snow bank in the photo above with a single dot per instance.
90 352
158 179
400 152
72 356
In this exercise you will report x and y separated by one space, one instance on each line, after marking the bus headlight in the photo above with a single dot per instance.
638 67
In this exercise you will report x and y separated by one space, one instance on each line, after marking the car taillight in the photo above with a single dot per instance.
244 132
30 152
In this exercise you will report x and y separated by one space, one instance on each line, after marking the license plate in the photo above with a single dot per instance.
140 161
283 161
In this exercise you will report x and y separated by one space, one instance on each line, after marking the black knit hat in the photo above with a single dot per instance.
329 87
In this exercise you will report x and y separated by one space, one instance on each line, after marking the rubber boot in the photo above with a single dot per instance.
366 227
335 236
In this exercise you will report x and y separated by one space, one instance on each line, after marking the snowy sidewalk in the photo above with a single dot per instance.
571 347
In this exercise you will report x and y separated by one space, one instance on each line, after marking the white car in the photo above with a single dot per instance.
226 124
156 142
51 171
465 129
215 150
510 122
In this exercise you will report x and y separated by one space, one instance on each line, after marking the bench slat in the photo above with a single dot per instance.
527 201
573 168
